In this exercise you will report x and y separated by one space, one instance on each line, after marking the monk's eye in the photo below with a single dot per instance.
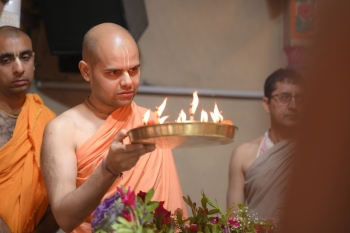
133 71
6 60
115 72
25 57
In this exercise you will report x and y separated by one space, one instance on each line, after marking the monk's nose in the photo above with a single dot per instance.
126 79
18 68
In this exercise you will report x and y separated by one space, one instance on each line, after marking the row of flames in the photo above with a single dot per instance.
215 115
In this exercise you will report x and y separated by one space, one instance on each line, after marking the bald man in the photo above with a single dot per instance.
86 153
23 198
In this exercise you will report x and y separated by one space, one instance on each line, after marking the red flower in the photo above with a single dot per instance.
142 195
233 222
128 198
126 214
215 220
162 214
193 228
305 10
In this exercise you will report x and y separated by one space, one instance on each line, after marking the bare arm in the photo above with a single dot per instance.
71 205
235 192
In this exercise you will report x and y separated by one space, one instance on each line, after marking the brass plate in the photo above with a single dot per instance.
183 135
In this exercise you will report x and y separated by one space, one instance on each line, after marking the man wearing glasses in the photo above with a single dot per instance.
258 170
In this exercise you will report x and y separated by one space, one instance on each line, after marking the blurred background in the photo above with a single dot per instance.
224 49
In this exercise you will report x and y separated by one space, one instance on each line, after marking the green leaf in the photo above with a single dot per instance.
148 217
218 206
189 200
204 203
125 230
149 195
124 221
215 229
152 206
213 211
147 230
186 200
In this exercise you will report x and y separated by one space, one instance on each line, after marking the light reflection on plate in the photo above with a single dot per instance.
184 134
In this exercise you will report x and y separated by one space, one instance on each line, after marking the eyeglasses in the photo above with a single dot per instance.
285 98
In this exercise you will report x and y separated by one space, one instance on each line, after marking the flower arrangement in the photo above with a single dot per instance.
126 212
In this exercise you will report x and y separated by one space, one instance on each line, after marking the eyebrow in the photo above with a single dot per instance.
112 69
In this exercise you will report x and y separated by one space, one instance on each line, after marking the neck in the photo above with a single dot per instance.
12 104
277 135
100 112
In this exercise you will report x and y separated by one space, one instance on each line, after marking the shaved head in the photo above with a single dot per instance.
102 35
11 32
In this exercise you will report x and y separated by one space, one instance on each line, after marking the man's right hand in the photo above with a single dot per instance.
123 157
3 227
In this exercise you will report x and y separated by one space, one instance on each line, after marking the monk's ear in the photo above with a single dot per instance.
266 104
33 59
85 70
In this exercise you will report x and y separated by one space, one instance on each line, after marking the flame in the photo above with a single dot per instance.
161 108
146 117
204 116
161 120
216 116
194 103
182 116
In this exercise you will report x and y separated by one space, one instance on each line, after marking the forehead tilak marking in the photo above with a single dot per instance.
126 59
18 61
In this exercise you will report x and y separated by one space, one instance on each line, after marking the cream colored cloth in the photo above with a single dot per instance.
265 144
267 179
154 170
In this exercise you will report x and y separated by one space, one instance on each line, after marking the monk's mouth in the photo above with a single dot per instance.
18 83
126 95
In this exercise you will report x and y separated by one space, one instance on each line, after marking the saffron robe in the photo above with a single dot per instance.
267 179
23 197
154 170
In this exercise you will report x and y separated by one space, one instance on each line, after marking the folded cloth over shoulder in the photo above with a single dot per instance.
154 170
24 199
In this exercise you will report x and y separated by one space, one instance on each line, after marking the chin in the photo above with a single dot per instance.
123 103
291 124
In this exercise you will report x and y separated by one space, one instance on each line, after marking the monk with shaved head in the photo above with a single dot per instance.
24 203
86 153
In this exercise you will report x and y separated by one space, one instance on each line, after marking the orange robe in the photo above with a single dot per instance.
23 198
156 169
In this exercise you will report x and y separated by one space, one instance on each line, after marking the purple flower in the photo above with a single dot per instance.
104 207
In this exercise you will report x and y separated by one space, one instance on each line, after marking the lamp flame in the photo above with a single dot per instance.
182 116
216 116
161 120
161 108
204 116
194 103
146 117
